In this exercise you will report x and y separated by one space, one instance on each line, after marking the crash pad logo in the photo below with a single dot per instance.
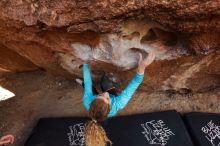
76 135
156 132
212 133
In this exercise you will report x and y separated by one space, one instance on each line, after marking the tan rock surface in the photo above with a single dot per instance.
60 35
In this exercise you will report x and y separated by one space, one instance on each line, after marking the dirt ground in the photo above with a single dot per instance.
39 94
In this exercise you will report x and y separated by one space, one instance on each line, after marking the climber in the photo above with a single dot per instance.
6 139
107 104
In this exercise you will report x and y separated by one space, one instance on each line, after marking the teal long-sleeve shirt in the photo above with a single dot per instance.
116 102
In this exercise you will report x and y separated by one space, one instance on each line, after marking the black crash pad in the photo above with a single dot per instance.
204 128
151 129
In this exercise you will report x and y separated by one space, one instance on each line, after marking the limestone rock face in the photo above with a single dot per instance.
60 35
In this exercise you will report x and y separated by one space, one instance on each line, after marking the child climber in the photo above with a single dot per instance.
107 104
